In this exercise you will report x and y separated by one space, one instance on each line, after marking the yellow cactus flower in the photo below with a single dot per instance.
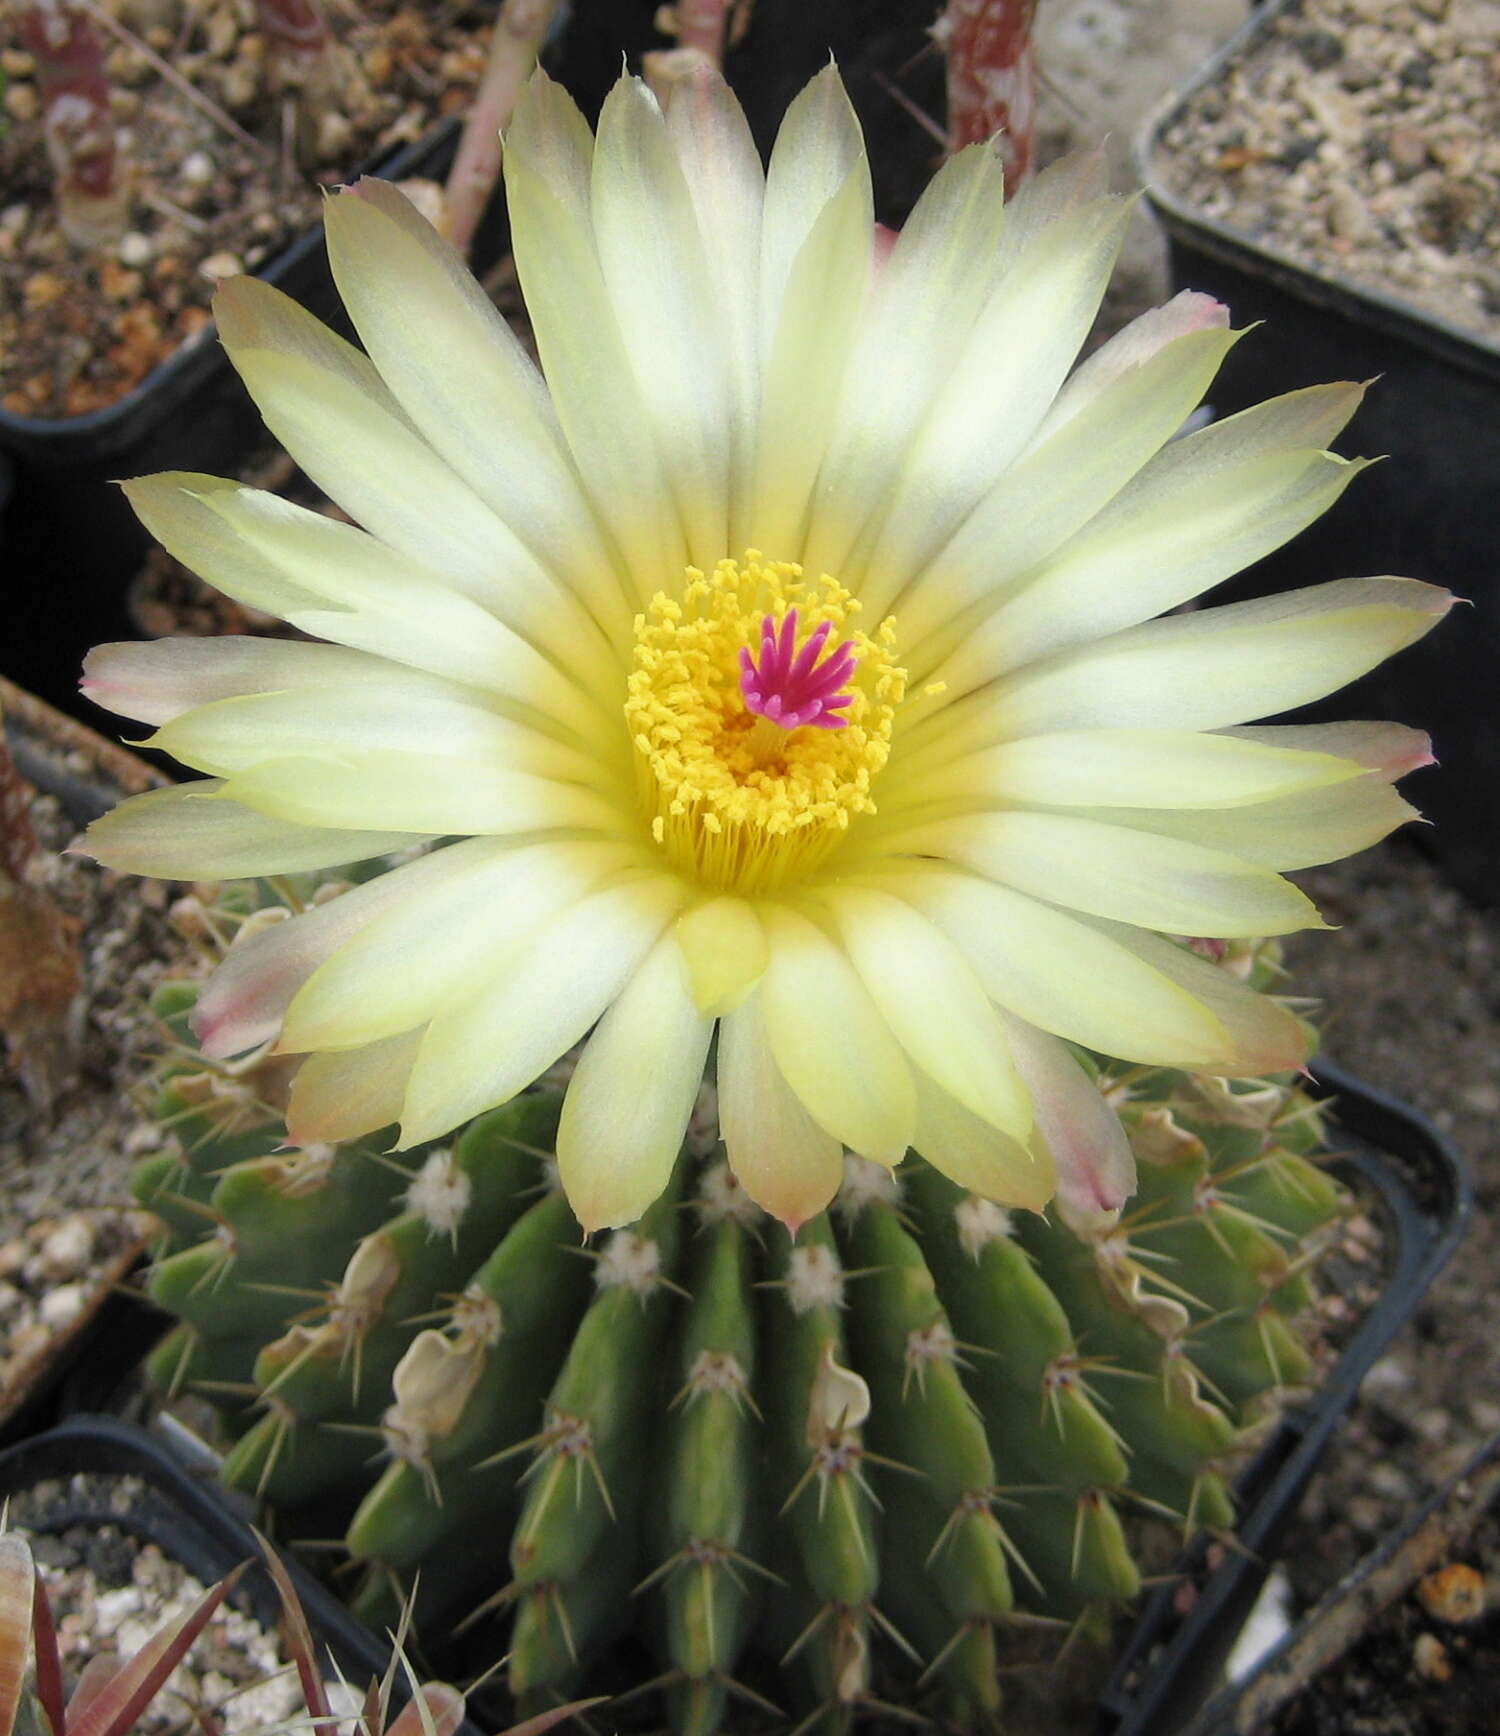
784 658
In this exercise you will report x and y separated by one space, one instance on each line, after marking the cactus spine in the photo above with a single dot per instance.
828 1472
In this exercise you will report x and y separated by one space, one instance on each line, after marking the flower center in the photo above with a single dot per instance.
758 745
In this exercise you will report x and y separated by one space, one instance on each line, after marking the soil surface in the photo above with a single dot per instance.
1429 1666
1363 138
219 183
1411 987
66 1231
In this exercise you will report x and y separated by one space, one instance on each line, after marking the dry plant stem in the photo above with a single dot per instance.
93 190
701 25
991 76
40 974
517 39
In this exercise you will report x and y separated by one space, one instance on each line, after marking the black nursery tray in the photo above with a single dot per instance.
1413 1178
95 1458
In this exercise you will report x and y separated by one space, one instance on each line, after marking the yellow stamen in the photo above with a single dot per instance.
733 800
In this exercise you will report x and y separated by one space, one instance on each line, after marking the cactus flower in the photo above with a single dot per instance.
790 657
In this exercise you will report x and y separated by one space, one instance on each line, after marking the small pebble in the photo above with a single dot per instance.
1454 1594
67 1251
22 102
61 1307
1429 1657
197 168
222 264
134 249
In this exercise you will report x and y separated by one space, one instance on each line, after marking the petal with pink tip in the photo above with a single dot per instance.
786 1163
351 1093
1132 347
192 832
454 934
245 1000
157 680
1094 1162
1287 832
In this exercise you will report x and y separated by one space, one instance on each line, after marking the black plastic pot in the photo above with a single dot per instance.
1421 1192
71 541
187 1519
1428 513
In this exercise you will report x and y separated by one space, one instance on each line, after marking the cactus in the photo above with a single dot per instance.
878 1445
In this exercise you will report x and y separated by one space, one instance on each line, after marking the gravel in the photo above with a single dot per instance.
1362 138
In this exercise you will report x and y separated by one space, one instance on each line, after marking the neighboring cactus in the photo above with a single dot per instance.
870 1447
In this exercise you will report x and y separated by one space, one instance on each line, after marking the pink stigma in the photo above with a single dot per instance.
792 691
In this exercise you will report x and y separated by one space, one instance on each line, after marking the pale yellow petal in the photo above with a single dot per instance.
1054 488
340 1097
630 1098
1296 831
189 832
1162 541
977 1155
471 387
482 1052
417 792
922 309
786 1163
452 934
829 1041
598 402
656 274
1065 975
1264 1036
1208 669
1132 768
933 1003
725 950
723 170
1022 347
237 735
1120 872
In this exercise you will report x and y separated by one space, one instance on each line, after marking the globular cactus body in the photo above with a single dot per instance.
825 1471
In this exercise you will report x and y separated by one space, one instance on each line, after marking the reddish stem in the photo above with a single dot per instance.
991 76
77 116
294 26
701 24
519 31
